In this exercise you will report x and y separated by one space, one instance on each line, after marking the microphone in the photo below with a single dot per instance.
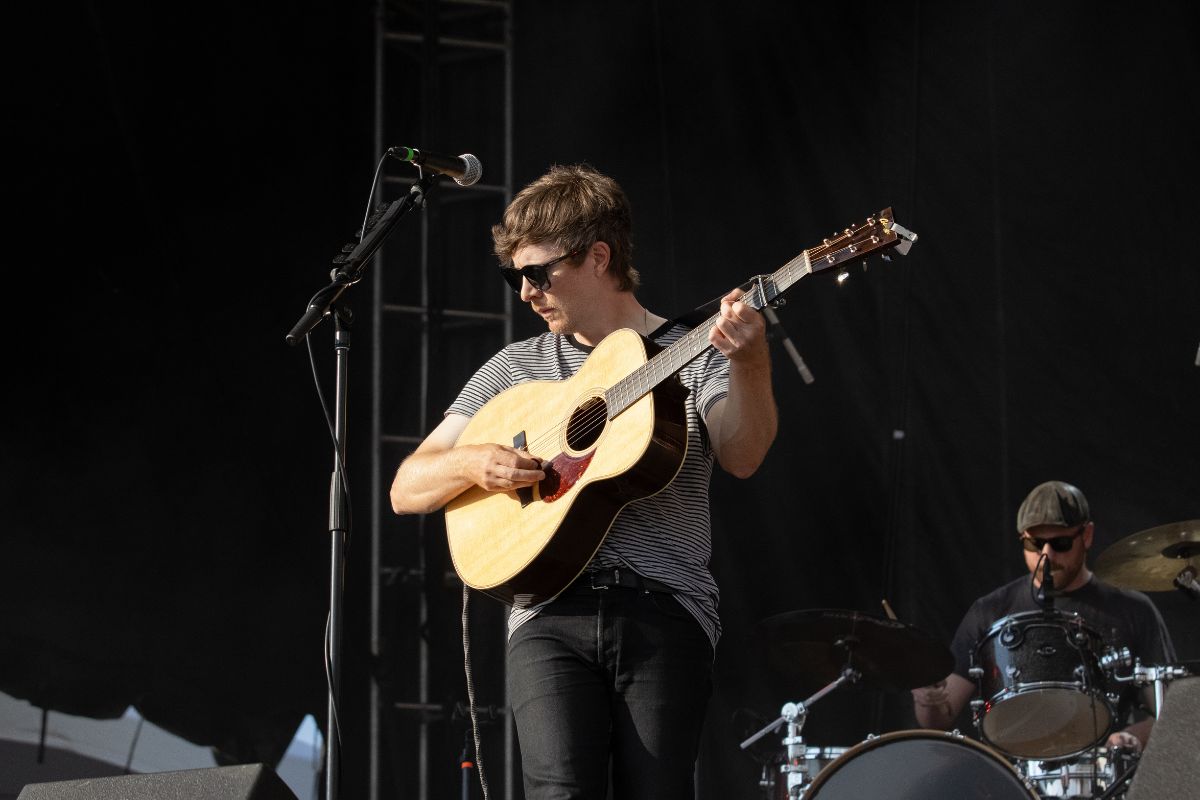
1047 592
465 169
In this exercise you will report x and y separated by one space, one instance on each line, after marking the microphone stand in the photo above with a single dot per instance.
349 268
789 346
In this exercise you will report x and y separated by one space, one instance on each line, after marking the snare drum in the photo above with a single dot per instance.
1041 685
1089 775
920 765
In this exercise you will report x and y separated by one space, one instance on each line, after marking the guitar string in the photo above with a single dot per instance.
593 419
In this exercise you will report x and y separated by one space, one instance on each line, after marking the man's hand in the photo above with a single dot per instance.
497 468
740 333
1126 740
934 696
938 705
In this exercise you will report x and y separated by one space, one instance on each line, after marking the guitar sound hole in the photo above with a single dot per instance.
586 424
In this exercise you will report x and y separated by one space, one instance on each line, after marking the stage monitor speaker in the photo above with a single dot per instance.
1169 769
245 782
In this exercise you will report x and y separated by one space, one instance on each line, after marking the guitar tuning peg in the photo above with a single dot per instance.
842 276
864 265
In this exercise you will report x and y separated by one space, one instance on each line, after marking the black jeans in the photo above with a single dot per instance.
609 673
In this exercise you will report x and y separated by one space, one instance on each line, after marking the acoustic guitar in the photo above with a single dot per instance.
613 433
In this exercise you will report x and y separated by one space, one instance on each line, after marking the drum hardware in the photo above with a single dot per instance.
1158 676
1100 772
1112 659
834 647
794 714
1186 582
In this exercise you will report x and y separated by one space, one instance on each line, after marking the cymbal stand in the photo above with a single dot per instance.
794 714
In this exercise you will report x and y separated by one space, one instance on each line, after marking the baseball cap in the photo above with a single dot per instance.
1053 503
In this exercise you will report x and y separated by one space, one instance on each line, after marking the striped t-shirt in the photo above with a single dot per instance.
666 537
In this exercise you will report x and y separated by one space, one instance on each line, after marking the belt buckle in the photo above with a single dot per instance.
616 578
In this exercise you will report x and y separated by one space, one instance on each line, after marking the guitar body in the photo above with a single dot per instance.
534 543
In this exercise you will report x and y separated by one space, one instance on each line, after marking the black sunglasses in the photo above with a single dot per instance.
537 274
1059 544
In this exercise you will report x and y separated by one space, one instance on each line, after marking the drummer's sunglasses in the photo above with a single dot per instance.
1059 544
538 274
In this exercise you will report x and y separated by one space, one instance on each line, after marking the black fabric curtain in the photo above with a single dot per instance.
186 181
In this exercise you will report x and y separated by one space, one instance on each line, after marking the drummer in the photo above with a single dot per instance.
1054 523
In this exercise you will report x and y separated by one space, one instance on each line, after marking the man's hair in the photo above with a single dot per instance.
571 207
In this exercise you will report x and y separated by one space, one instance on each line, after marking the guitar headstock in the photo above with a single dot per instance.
875 233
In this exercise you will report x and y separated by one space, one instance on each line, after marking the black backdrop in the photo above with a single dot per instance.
183 179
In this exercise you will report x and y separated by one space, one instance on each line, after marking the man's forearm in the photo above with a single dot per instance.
749 421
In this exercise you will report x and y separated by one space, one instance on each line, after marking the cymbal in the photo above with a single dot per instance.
810 648
1149 561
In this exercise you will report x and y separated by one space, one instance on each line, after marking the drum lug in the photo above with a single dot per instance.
1011 636
1113 658
975 673
1012 671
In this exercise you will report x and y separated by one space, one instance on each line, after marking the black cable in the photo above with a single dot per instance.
371 195
337 725
1032 578
1111 791
337 450
471 689
133 745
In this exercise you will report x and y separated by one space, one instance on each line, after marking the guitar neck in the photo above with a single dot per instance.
851 245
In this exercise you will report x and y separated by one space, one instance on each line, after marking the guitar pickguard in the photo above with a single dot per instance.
562 472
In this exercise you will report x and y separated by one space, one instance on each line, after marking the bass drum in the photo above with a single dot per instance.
919 764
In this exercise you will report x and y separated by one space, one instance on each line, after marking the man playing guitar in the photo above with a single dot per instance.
617 666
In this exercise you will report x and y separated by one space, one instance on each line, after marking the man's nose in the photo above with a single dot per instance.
528 290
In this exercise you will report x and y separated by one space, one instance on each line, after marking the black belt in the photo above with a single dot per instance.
617 576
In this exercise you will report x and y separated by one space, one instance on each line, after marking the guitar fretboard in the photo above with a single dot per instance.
642 380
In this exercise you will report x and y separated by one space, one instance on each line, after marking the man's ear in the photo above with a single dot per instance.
1088 532
601 255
